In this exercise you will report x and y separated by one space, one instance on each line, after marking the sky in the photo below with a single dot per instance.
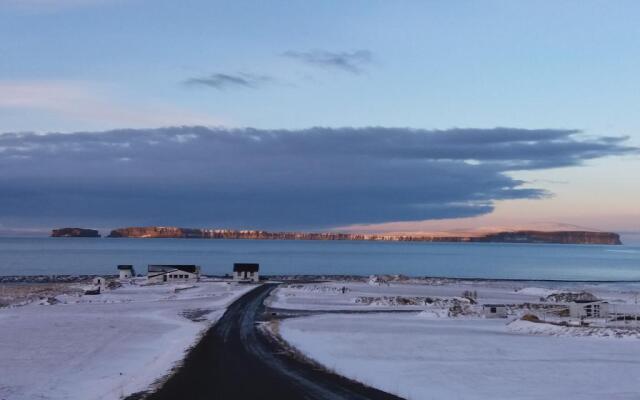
316 115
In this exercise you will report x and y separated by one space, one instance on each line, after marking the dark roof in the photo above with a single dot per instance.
169 267
494 305
588 301
249 267
125 267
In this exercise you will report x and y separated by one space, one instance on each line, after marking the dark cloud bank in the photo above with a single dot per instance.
275 179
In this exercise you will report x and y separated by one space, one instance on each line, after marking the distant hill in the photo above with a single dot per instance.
519 236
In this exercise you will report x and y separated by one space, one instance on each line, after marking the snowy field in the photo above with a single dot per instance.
105 346
381 294
433 353
446 358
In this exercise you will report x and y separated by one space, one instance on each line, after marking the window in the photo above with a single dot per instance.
588 311
494 310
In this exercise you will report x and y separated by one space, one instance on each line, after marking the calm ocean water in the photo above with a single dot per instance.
31 256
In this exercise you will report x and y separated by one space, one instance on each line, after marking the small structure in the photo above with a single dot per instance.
126 271
494 310
172 273
588 309
99 284
99 281
246 272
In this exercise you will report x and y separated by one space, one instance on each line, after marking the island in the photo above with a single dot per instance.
75 232
520 236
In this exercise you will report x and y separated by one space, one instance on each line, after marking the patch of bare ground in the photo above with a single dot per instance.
13 294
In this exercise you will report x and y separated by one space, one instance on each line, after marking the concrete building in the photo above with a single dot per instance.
244 272
172 273
589 309
494 310
126 271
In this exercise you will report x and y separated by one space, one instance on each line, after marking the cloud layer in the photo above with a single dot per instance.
275 179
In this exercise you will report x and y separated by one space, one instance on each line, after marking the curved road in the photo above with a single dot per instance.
235 361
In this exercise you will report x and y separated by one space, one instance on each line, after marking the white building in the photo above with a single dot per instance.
494 310
126 271
173 273
588 309
246 272
99 283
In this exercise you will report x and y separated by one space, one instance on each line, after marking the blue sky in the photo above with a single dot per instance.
95 65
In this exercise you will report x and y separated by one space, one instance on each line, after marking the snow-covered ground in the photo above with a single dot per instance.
428 354
420 357
105 346
380 295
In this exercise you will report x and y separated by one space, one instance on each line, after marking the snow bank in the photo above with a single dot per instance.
105 346
432 313
380 293
541 328
445 358
536 291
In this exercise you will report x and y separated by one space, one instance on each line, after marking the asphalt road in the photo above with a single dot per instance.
235 361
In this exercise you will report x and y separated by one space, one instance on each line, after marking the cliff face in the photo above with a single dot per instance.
75 232
560 237
155 232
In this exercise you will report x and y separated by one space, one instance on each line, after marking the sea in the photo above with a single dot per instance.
79 256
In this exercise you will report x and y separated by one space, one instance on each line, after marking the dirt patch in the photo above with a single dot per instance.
530 318
15 294
196 314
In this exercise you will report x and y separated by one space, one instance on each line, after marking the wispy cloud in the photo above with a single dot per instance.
353 62
276 179
222 81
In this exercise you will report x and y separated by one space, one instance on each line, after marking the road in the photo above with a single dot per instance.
235 361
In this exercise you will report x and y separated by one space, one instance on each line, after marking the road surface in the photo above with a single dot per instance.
235 361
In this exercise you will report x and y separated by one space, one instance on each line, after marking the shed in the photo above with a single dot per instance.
100 282
172 273
494 310
126 271
588 309
246 272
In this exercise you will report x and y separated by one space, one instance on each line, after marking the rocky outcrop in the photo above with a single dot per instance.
75 232
560 237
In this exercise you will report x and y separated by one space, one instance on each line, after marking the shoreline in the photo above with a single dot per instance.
69 278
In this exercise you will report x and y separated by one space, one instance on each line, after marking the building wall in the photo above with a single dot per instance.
155 277
246 276
173 276
580 310
501 312
125 274
181 275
